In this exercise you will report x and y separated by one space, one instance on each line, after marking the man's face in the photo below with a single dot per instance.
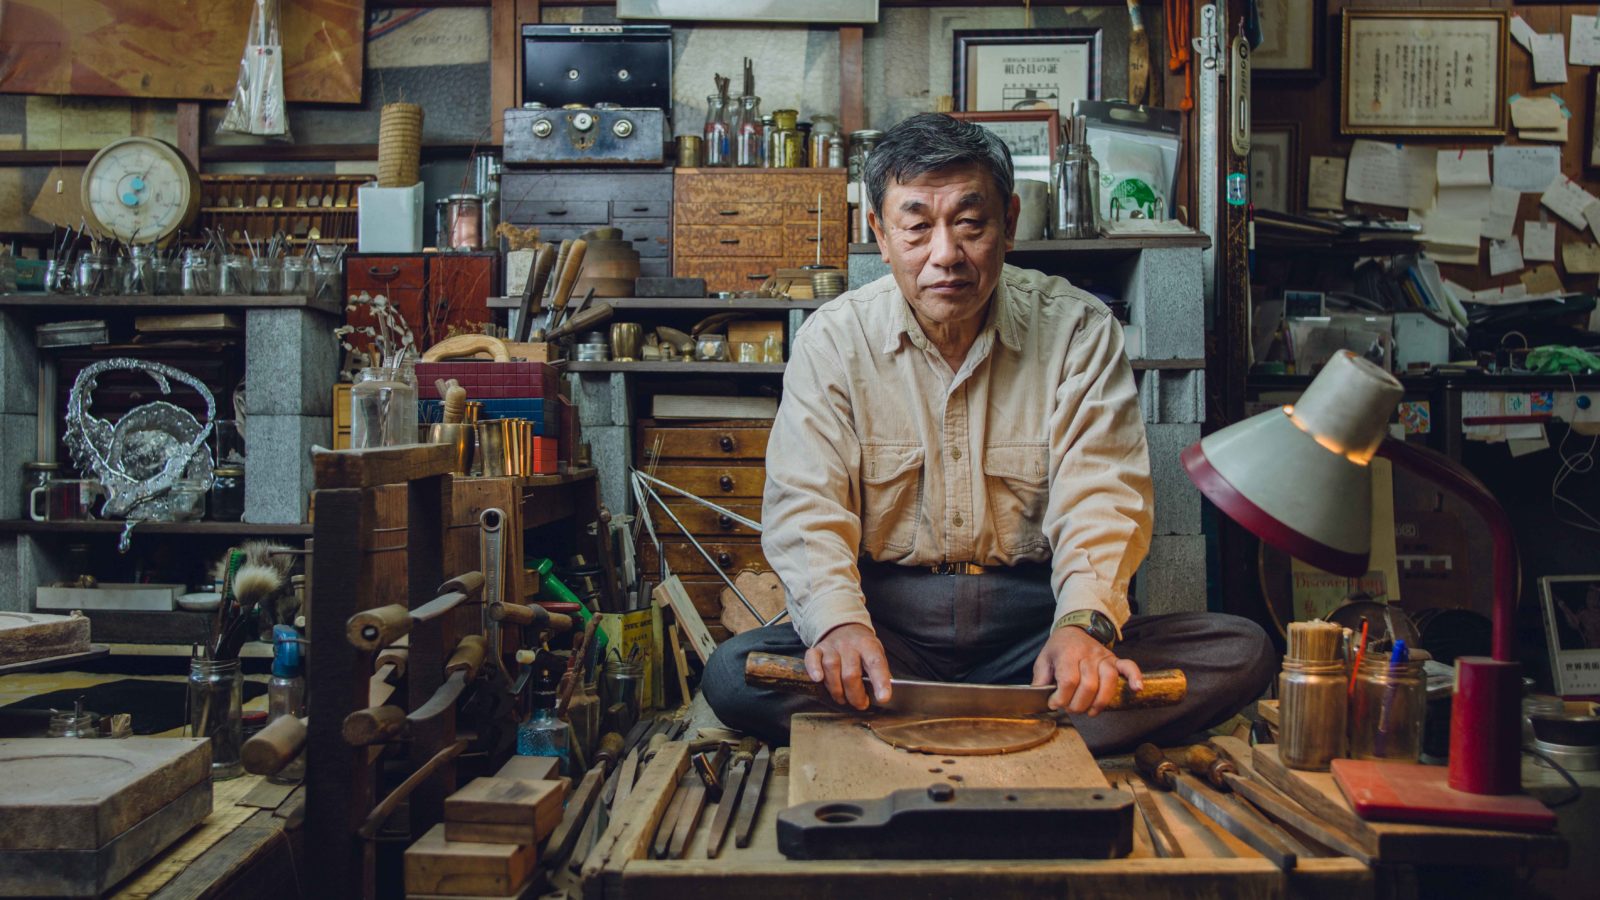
944 235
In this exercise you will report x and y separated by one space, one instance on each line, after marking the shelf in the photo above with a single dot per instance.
114 526
280 210
1091 245
1151 365
168 302
685 304
679 368
1474 381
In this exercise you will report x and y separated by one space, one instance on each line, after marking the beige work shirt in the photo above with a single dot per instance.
1033 452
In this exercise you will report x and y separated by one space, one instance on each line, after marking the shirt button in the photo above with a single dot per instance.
955 454
957 520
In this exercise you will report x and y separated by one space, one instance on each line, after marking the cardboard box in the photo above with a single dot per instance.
390 219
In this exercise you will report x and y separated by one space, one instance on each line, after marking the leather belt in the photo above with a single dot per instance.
960 568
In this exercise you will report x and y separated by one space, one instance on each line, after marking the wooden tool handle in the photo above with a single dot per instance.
1204 761
393 656
589 318
373 629
534 616
468 583
782 673
610 749
569 274
375 725
1155 767
274 746
467 345
1162 687
745 751
468 656
544 262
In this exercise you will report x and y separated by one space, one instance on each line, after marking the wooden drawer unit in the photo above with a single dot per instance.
735 228
703 521
564 204
732 442
713 481
434 291
402 279
731 557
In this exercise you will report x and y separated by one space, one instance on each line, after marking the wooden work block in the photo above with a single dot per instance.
25 636
434 865
531 768
492 833
508 801
832 757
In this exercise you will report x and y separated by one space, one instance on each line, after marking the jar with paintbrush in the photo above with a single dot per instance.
1312 692
216 703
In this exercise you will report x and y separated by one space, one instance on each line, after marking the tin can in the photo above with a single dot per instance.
688 151
460 222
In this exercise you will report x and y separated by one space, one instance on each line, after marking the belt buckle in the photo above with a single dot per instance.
957 568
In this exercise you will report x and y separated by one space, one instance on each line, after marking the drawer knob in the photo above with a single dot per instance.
760 276
724 523
391 272
726 483
641 209
724 561
727 212
556 212
728 241
726 443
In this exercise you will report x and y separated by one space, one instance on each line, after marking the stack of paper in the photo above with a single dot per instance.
1540 118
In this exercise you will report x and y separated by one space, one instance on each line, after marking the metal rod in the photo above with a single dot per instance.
753 526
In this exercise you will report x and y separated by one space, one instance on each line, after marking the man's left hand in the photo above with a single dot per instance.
1083 671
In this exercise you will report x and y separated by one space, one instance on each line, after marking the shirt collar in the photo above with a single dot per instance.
1002 319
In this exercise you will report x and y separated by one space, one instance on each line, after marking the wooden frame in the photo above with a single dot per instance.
1412 39
1268 62
1051 122
1284 194
967 86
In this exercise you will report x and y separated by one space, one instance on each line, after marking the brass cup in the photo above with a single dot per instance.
627 341
495 450
458 436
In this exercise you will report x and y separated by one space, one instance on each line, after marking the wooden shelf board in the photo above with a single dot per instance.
685 304
114 526
1091 245
1146 365
168 301
280 210
679 368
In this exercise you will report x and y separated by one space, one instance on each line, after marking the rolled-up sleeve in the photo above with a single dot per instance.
811 527
1099 515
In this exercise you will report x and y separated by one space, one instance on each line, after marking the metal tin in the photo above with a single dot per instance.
71 334
629 65
688 151
585 135
459 218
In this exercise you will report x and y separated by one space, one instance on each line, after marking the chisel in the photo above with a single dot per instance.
738 768
365 727
750 804
1243 823
544 260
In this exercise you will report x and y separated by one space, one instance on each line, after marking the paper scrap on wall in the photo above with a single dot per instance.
1527 169
1501 221
1505 257
1567 199
1325 183
1549 58
1581 258
1585 49
1542 280
1539 241
1462 168
1388 174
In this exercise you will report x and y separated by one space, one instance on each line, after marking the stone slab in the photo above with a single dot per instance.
19 367
1173 577
278 475
1177 499
291 361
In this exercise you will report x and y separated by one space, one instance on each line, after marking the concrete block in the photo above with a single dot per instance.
291 361
1172 396
1167 304
602 398
1173 577
19 366
18 443
12 596
1177 499
611 452
865 268
278 477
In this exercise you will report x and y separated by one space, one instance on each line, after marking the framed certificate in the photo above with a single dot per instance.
1437 72
1030 134
1290 45
1019 69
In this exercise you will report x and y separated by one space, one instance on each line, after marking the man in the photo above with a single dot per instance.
971 432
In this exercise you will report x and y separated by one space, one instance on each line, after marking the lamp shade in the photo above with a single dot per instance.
1297 477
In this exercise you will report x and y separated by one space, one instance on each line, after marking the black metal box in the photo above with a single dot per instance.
628 65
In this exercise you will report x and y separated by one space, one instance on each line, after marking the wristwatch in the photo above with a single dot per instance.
1092 621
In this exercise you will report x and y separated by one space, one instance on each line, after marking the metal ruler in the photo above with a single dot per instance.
1211 57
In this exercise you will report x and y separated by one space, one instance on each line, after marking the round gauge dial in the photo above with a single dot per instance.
140 190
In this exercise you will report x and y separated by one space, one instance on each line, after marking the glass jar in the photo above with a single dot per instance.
383 407
1387 709
747 132
266 275
216 701
58 276
785 149
1075 185
327 271
93 271
198 278
227 493
233 275
138 278
166 276
621 683
1312 712
861 144
36 475
296 277
718 136
543 735
823 128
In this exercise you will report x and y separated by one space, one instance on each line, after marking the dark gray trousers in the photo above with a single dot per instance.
988 629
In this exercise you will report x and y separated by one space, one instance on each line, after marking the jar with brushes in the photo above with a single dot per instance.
296 277
233 274
266 275
383 407
1388 705
93 275
718 137
747 132
198 279
785 149
1312 691
216 702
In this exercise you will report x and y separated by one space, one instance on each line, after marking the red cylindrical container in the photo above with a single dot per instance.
1485 732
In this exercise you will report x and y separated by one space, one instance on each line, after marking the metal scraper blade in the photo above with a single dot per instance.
934 698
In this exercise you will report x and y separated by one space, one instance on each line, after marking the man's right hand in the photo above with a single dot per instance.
842 657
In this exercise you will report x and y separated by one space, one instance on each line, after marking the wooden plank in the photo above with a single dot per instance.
170 302
189 133
1402 843
380 465
508 801
670 593
436 866
219 872
532 768
133 48
851 101
819 743
427 502
634 823
268 795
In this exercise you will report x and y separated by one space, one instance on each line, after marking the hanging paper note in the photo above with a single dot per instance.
1501 221
1591 214
1522 32
1543 280
1539 241
1566 199
1462 168
1390 174
1527 169
1325 186
1581 258
1549 58
1504 257
1585 49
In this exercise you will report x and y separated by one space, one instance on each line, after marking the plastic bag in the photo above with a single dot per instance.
257 104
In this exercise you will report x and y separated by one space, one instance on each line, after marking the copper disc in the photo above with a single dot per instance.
964 736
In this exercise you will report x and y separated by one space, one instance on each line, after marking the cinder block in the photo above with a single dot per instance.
1173 577
19 367
602 398
865 268
1177 500
18 444
611 452
12 597
1167 304
291 361
278 477
1172 396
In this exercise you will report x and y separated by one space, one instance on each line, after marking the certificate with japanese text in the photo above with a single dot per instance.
1424 72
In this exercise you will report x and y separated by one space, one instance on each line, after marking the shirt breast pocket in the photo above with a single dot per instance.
891 498
1017 475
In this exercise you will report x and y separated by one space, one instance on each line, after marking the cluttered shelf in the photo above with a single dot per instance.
686 304
679 368
1461 381
115 526
170 301
1092 245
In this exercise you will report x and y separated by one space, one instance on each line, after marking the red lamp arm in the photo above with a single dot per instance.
1459 480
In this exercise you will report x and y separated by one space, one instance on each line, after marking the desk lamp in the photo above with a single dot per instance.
1298 478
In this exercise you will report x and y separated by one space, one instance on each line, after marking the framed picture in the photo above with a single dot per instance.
1572 625
1030 134
1437 72
1017 69
863 12
1275 165
1291 45
1303 304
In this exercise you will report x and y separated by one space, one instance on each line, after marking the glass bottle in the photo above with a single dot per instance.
286 693
383 407
747 133
227 493
1075 185
718 136
784 147
1387 709
544 735
216 699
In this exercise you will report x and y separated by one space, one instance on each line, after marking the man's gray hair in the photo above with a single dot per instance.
929 142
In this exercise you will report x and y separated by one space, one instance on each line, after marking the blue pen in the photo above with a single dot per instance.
1399 656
